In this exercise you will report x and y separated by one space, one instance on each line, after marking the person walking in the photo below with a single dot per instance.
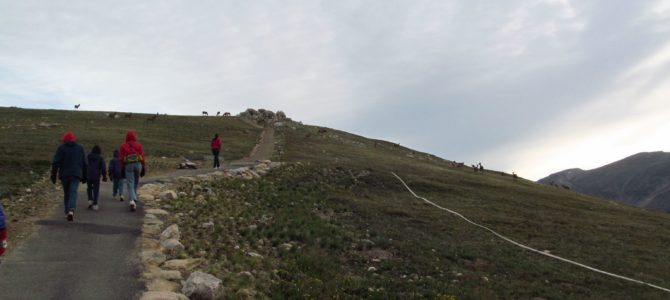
216 149
69 165
115 173
3 231
96 169
133 165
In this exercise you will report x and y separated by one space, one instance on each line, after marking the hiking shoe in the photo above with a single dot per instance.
121 198
95 207
133 207
70 216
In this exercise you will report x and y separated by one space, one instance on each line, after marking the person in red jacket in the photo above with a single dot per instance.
133 164
216 149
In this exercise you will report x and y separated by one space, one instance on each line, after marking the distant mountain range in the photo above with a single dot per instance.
641 180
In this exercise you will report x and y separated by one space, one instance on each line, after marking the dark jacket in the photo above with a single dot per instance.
131 146
96 167
115 172
2 218
70 159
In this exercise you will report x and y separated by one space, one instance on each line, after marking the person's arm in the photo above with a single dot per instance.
144 165
84 164
56 164
104 169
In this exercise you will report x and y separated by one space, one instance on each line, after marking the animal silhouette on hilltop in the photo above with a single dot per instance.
77 106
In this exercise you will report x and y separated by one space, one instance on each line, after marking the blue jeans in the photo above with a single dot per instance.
117 186
70 187
132 179
93 191
216 152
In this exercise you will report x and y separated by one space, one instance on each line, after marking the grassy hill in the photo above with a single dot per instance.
333 223
30 138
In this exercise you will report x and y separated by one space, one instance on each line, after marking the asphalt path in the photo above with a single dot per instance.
94 257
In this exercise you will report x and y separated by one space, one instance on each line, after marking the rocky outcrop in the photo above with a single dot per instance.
264 117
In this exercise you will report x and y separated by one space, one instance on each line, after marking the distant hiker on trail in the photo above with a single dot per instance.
115 173
132 160
69 164
216 149
96 169
3 231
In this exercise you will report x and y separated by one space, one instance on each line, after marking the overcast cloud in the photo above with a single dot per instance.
527 86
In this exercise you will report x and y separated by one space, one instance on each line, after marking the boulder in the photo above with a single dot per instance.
201 285
168 195
172 247
150 188
208 225
154 295
172 232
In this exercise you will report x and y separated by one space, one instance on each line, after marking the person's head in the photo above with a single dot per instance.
69 137
96 150
131 136
116 153
216 136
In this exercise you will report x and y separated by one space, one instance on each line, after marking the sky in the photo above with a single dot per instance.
532 87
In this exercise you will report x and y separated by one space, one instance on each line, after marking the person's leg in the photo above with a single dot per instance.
216 159
73 185
66 195
122 182
115 187
89 191
130 181
96 192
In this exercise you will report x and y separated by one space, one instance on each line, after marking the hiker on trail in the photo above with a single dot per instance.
69 164
3 231
96 169
132 160
216 149
115 173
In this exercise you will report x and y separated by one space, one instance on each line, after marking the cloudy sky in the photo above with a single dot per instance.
527 86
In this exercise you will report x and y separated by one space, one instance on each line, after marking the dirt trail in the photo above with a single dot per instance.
264 149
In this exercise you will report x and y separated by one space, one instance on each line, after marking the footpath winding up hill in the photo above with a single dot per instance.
333 222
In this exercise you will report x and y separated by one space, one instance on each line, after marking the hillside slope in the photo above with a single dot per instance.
641 180
333 223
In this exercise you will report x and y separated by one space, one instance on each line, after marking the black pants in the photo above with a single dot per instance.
93 190
215 152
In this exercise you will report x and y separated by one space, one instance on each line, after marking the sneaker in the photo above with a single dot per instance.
133 207
95 207
90 204
70 216
121 198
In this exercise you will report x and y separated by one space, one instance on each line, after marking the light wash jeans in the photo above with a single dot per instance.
132 179
70 187
117 187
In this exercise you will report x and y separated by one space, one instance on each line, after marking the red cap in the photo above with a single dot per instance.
131 136
69 137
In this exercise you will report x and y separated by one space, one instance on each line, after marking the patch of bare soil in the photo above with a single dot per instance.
22 211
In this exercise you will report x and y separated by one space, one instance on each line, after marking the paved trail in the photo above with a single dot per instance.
90 258
94 257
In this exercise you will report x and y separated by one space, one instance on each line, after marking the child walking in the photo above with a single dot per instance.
116 176
133 164
96 169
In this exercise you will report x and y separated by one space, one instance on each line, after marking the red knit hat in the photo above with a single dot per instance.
69 137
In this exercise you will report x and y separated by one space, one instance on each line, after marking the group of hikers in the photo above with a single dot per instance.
72 166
